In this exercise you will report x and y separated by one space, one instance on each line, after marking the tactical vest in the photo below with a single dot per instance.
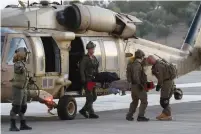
20 80
170 73
91 68
143 77
172 70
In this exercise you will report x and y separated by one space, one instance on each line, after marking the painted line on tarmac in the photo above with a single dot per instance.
103 103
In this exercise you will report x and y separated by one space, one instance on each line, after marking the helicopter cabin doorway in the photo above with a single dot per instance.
52 55
75 55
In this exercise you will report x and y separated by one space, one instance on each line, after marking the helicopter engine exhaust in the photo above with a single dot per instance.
78 17
81 17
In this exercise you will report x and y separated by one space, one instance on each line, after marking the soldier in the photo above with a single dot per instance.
165 83
88 69
19 85
137 77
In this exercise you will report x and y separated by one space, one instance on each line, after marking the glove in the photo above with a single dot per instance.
158 87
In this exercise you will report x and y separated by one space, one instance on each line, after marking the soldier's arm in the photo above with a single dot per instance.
82 68
160 77
128 72
136 72
19 68
97 67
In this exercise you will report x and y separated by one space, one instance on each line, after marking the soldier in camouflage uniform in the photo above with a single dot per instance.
88 69
166 85
137 77
19 85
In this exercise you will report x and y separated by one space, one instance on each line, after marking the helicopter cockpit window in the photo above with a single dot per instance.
14 44
111 55
97 53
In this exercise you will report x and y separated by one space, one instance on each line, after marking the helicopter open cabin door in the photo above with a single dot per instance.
13 41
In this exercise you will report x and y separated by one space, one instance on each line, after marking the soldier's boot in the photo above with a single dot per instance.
13 125
159 116
142 118
24 126
84 113
129 118
93 116
164 116
123 93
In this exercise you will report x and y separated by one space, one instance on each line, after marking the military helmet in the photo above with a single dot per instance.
139 54
21 49
21 53
178 94
90 45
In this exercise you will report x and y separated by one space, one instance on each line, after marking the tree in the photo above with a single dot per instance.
112 6
74 1
137 6
159 17
173 6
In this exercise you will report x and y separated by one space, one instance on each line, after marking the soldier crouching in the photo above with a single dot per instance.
19 90
165 83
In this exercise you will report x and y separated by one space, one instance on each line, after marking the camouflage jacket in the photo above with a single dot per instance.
20 79
128 69
161 72
88 68
137 74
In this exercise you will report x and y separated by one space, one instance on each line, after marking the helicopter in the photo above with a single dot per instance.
56 36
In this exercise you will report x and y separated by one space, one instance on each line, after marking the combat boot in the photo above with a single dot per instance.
84 113
164 116
24 126
159 116
129 118
13 126
142 118
123 93
93 116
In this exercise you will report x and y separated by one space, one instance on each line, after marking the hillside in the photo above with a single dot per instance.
175 39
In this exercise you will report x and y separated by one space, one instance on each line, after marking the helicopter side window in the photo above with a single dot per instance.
14 44
111 55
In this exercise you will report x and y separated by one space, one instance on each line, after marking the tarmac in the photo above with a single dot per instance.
186 118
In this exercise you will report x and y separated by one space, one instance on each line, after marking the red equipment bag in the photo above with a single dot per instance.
149 86
90 85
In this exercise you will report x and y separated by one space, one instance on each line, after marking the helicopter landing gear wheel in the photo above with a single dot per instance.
67 108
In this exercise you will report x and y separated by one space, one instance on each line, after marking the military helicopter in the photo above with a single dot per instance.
56 35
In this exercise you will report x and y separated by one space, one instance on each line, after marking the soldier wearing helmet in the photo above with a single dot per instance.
165 83
19 85
88 69
137 77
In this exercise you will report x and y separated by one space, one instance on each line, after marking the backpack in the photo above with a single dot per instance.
171 69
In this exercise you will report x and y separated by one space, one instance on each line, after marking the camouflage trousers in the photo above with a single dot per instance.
91 97
19 104
138 94
166 92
